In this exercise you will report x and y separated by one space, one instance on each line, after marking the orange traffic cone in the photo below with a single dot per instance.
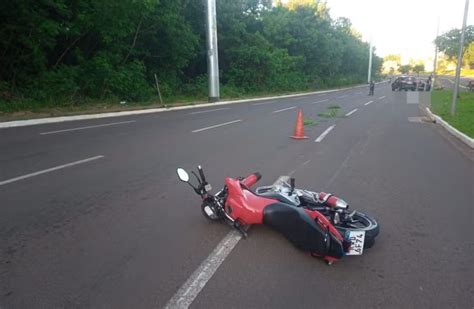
299 128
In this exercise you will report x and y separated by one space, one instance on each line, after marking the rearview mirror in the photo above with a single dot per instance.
182 174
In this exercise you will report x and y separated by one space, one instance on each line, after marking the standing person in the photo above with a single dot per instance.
371 87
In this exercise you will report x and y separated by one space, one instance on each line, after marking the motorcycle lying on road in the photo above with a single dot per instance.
318 223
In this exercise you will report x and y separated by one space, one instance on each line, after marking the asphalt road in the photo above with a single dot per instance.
112 227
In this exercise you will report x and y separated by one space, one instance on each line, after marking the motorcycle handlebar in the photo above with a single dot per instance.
251 179
201 173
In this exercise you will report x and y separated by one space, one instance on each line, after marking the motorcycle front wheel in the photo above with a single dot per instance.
361 222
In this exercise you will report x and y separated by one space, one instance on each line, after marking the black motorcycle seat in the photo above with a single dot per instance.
295 224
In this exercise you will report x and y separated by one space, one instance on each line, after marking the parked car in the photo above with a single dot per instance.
404 83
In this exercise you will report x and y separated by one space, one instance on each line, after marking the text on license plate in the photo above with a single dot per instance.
357 242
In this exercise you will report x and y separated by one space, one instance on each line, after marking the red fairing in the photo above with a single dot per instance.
324 223
243 205
251 179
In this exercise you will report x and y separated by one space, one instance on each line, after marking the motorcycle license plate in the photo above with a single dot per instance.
357 242
207 187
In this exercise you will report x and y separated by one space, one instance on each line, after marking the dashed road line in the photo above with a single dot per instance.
382 97
368 102
87 127
52 169
209 111
284 109
351 112
323 135
216 126
263 103
321 101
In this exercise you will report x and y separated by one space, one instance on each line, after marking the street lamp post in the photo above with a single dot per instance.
458 66
212 51
435 63
369 74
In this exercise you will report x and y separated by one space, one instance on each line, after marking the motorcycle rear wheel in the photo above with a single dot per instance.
361 222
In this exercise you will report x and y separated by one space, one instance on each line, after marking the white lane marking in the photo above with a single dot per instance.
321 101
216 126
282 110
368 102
199 278
4 182
342 96
323 135
209 111
351 112
382 97
88 127
263 103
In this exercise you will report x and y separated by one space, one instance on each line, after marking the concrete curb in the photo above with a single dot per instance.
30 122
461 136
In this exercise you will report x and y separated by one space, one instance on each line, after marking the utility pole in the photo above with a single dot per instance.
435 63
458 66
212 52
369 78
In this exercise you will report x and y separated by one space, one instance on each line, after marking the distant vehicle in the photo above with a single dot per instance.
404 83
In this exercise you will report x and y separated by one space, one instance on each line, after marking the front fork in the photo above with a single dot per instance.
229 220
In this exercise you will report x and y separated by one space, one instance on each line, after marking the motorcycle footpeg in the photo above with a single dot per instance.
241 229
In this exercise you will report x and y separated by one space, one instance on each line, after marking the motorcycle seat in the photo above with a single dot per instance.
298 227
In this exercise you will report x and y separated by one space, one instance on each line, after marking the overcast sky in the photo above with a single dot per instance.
406 27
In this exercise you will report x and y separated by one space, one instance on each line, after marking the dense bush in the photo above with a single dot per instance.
61 52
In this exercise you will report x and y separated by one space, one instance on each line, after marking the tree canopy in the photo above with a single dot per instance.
59 50
448 43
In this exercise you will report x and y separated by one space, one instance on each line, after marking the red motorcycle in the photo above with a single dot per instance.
318 223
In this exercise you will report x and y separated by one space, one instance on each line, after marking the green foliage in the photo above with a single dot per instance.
463 120
310 122
448 43
419 68
405 69
61 52
332 111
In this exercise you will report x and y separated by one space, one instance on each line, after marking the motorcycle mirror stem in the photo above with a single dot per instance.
292 185
195 175
184 177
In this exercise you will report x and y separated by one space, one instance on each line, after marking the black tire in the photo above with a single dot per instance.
367 224
204 213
